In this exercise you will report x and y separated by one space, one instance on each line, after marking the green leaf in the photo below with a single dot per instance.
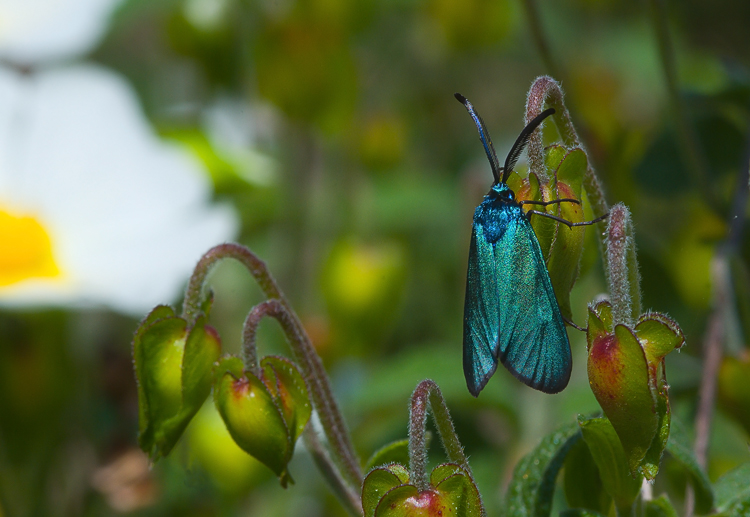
583 485
377 483
159 312
660 507
733 491
679 447
394 452
400 502
533 483
609 456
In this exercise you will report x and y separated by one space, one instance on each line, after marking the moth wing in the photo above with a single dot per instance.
480 314
511 313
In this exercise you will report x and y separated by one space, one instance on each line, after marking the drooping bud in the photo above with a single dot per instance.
173 364
264 415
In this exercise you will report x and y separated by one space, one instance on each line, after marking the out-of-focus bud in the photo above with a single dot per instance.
173 365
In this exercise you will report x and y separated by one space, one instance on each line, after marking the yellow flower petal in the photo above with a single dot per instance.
25 250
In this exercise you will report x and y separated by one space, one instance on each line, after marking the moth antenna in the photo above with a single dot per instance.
484 137
521 141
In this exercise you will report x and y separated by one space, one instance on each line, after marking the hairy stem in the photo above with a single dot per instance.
426 396
312 368
621 264
194 293
716 333
346 494
545 90
315 377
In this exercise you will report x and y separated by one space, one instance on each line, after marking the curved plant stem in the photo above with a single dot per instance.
315 377
426 396
257 268
545 90
304 353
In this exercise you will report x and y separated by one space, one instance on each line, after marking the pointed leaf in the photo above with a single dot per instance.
159 312
733 491
533 483
583 484
252 418
649 466
394 452
572 170
660 507
158 352
610 458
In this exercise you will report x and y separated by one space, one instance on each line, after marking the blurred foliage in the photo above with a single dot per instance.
330 125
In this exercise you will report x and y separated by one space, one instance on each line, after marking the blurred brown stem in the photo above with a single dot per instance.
426 396
715 335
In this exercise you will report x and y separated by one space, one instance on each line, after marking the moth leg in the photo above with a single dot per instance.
572 324
546 203
567 223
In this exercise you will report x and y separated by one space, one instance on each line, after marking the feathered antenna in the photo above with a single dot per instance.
521 141
484 137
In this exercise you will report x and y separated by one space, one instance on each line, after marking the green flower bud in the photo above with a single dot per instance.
386 492
173 365
264 415
626 374
562 247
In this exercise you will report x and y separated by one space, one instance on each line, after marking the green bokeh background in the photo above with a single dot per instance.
356 178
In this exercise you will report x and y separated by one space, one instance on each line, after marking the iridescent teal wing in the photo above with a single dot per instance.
511 313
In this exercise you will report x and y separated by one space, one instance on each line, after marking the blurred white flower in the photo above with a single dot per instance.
95 210
32 31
